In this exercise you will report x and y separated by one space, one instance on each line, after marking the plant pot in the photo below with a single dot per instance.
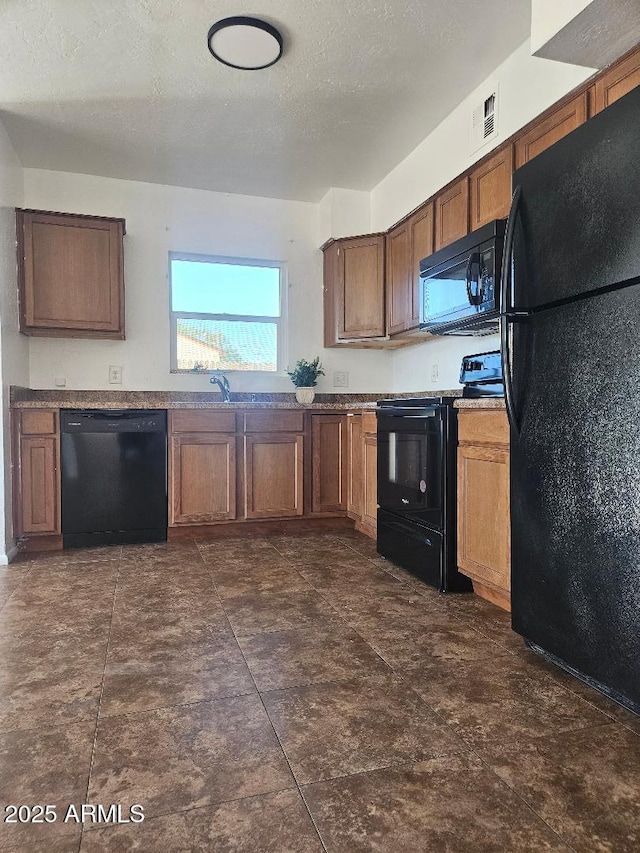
305 396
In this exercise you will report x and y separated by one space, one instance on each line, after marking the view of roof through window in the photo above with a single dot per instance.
226 315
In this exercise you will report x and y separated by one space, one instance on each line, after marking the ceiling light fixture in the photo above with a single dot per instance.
245 43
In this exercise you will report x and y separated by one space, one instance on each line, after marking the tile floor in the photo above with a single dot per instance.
294 694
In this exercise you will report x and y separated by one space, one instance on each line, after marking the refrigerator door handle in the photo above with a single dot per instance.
505 308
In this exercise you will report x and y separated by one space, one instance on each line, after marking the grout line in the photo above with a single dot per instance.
106 657
522 799
273 728
399 673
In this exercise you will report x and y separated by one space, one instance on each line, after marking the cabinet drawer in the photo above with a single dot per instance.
202 420
483 427
38 422
283 421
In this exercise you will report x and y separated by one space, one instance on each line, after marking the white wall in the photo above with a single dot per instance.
528 85
548 17
343 213
14 351
160 219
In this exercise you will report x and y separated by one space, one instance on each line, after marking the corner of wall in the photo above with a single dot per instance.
343 213
14 348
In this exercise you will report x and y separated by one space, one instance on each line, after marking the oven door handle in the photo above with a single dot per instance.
397 412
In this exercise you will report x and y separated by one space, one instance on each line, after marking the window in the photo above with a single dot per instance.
226 313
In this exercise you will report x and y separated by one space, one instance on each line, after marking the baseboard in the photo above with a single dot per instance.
47 542
366 528
9 556
258 528
500 597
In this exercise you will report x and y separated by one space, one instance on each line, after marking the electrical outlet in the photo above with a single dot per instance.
340 379
115 374
434 372
60 381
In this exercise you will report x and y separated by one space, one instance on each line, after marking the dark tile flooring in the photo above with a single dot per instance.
294 694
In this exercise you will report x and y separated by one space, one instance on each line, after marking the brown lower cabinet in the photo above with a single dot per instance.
354 465
273 475
369 520
203 478
36 472
483 503
224 466
329 461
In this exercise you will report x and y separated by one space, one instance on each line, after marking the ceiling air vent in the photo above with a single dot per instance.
484 121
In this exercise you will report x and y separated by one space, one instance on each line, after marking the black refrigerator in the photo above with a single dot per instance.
570 330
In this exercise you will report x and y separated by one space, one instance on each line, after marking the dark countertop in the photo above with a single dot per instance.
480 403
27 398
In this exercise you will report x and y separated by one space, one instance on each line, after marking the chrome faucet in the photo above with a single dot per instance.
223 384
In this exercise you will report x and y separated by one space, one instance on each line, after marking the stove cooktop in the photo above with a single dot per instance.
417 402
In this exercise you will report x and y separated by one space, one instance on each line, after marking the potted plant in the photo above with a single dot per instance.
305 377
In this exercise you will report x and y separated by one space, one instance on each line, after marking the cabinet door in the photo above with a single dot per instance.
421 246
328 446
38 502
273 475
452 214
71 275
202 478
370 482
362 311
483 520
354 466
491 188
548 131
333 270
617 81
399 296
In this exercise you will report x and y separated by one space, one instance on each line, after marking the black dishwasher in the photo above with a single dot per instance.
114 477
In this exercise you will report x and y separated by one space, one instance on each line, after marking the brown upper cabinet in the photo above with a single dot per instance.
362 295
333 282
617 81
354 289
407 244
491 188
70 275
452 214
398 280
551 129
361 291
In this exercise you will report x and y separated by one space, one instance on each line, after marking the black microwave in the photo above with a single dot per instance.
460 284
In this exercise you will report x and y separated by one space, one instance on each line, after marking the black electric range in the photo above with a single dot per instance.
417 446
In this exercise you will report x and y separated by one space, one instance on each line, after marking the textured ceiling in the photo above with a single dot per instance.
128 89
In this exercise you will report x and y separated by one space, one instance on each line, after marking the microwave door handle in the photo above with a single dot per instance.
474 298
505 311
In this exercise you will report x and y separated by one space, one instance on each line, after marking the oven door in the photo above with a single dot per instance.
410 464
460 291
